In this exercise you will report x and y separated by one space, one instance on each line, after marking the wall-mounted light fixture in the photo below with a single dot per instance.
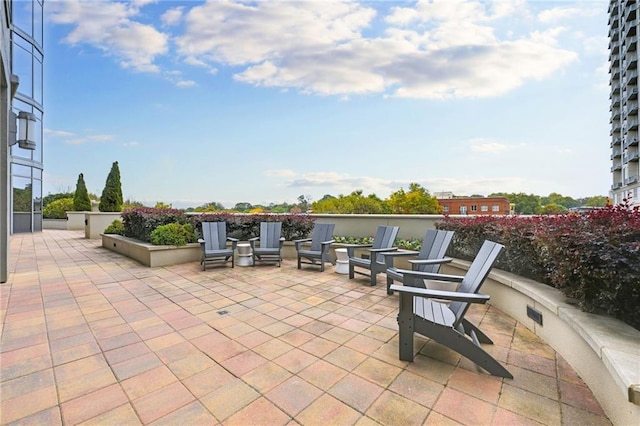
23 126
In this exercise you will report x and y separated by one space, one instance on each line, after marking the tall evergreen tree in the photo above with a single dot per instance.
111 199
81 200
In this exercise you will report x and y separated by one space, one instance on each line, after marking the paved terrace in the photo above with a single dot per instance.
89 336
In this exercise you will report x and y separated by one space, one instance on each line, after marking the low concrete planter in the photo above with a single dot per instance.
96 222
150 255
75 220
54 224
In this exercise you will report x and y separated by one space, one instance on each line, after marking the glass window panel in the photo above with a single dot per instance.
37 80
20 170
21 194
37 195
37 153
23 68
22 14
37 22
37 173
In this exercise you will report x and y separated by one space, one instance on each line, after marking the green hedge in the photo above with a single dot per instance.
140 222
594 259
58 209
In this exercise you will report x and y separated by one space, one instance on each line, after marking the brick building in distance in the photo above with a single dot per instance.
474 205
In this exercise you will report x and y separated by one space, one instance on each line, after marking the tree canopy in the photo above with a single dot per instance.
81 200
111 199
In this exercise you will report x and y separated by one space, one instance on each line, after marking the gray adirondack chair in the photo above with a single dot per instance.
446 324
214 244
374 261
271 241
429 259
318 246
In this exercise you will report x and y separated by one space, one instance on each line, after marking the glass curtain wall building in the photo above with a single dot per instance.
623 69
26 164
21 91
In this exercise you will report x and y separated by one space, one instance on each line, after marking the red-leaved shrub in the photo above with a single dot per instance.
594 258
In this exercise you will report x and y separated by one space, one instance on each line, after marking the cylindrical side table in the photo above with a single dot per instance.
342 261
244 254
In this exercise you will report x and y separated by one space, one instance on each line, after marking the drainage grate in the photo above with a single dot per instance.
223 312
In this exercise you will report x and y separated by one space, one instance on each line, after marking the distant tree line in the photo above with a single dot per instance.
414 200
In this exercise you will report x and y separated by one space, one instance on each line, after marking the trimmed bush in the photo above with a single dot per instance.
173 234
116 227
141 221
111 198
81 200
58 209
594 259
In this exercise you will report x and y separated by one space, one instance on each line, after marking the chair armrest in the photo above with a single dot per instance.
302 240
431 261
232 239
382 250
253 239
400 253
299 242
201 241
351 248
389 256
453 296
326 245
430 276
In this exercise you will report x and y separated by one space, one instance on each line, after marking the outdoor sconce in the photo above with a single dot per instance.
26 130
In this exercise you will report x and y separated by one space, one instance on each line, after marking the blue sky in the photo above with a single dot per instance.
234 101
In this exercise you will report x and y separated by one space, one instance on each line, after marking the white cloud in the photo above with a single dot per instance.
436 49
486 145
57 133
109 26
280 173
89 139
562 13
431 49
172 16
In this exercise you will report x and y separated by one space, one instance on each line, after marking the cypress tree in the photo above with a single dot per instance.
81 200
111 199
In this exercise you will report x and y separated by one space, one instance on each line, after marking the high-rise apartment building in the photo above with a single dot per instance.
623 69
21 111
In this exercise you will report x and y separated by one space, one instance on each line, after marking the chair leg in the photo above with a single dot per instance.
299 262
469 328
405 327
351 272
389 284
457 341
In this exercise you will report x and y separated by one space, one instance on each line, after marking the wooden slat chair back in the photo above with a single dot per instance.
374 262
434 246
319 245
384 239
214 235
271 241
429 259
422 311
476 275
214 244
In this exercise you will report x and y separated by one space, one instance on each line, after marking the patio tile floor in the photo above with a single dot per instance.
89 336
